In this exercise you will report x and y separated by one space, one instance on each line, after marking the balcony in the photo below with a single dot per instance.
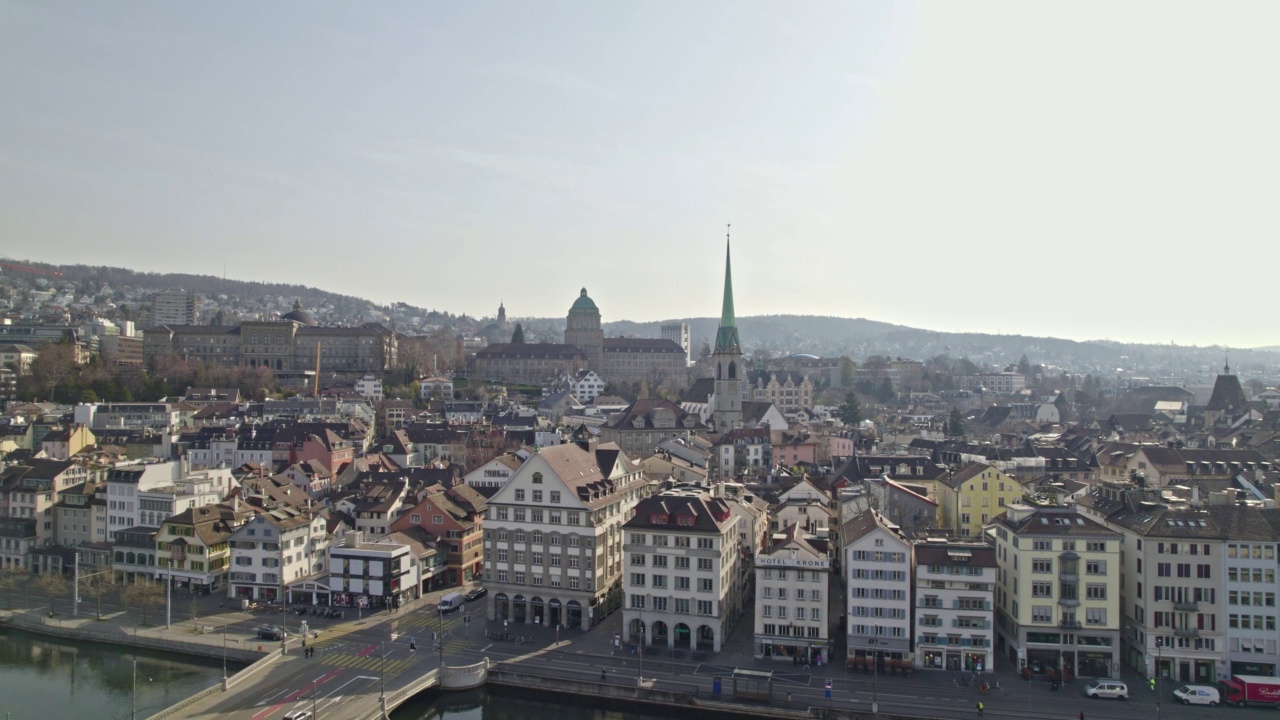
1186 632
1069 602
1186 606
1069 624
971 624
971 605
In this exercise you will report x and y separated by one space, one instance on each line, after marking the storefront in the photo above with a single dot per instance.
1253 668
793 649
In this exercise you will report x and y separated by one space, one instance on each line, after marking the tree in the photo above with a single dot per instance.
846 372
851 410
884 392
955 423
1024 366
12 578
144 596
52 584
97 585
517 337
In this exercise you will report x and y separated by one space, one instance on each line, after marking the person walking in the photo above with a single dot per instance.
981 707
602 671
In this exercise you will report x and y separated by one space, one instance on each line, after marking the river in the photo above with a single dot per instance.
43 678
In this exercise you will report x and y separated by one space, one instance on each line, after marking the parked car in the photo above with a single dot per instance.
1107 689
299 715
476 594
272 632
1198 695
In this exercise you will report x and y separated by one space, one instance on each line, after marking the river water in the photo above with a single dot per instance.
43 678
48 679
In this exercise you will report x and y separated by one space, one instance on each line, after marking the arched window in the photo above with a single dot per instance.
733 370
119 556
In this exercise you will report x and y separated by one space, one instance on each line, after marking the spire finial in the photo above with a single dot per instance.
1226 364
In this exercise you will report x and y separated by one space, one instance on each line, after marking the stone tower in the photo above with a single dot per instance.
730 377
582 328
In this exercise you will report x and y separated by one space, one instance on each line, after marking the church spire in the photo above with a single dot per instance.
727 335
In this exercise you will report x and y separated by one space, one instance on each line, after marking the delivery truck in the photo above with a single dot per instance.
1243 690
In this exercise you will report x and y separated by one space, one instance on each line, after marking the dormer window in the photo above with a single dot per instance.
658 519
537 478
684 519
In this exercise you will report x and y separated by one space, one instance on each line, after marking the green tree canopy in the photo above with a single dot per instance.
851 410
517 337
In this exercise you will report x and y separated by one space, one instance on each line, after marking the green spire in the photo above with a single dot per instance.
727 335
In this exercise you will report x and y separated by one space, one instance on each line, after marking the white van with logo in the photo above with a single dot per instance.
451 602
1198 695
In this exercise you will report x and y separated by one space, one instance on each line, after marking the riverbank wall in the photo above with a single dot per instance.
81 629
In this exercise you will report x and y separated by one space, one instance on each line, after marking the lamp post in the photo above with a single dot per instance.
224 656
640 672
168 598
133 695
1159 657
382 680
875 706
75 600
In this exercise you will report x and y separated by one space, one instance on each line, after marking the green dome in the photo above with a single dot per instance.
584 303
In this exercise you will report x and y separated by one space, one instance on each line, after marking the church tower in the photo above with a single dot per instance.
582 328
730 377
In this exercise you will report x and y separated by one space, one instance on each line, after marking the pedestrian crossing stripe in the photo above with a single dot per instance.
368 662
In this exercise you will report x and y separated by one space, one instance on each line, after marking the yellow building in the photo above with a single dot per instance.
970 497
1058 593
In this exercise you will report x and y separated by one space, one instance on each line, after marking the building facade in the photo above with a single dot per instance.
877 568
954 606
683 581
1058 597
553 536
678 333
793 588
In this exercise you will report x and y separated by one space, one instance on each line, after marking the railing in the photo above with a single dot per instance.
1186 632
972 624
1186 606
971 604
1069 624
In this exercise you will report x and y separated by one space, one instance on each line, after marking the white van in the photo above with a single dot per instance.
451 602
1197 695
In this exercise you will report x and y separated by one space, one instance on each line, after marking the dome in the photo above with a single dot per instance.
299 315
584 303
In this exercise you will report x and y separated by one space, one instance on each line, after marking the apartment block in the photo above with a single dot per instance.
877 567
793 588
954 605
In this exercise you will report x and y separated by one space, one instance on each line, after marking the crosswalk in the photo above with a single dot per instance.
336 648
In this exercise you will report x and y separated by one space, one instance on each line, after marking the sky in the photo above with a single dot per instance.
1082 170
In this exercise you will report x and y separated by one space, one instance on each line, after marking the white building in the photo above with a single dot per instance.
793 584
198 489
370 388
678 333
683 579
274 549
173 307
954 611
435 387
495 473
372 574
586 386
553 536
877 567
126 481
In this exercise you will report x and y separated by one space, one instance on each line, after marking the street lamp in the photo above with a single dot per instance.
382 680
875 706
1159 657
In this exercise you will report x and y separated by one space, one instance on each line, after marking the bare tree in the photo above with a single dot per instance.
52 584
145 596
12 578
97 585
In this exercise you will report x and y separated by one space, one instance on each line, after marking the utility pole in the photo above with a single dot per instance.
640 673
168 598
875 656
75 599
382 680
133 696
224 657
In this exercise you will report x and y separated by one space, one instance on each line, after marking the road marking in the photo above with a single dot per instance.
293 696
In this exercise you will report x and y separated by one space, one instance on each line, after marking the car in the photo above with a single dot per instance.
1198 695
1107 689
271 632
476 594
299 715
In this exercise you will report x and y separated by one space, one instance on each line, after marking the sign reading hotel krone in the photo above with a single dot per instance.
793 562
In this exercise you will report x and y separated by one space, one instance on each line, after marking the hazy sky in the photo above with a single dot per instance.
1073 169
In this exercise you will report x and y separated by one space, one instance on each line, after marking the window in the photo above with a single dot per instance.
1041 565
704 584
638 559
537 478
659 582
520 495
638 579
1095 591
1041 613
682 583
682 563
637 602
1095 567
704 564
1095 616
1042 545
555 496
519 515
416 519
437 519
537 496
705 607
1042 589
682 605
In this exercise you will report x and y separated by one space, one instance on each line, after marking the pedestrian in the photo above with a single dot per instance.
602 671
981 707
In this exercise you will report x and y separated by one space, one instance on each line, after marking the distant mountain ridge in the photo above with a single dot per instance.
776 334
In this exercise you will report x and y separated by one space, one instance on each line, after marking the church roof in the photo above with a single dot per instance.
727 334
